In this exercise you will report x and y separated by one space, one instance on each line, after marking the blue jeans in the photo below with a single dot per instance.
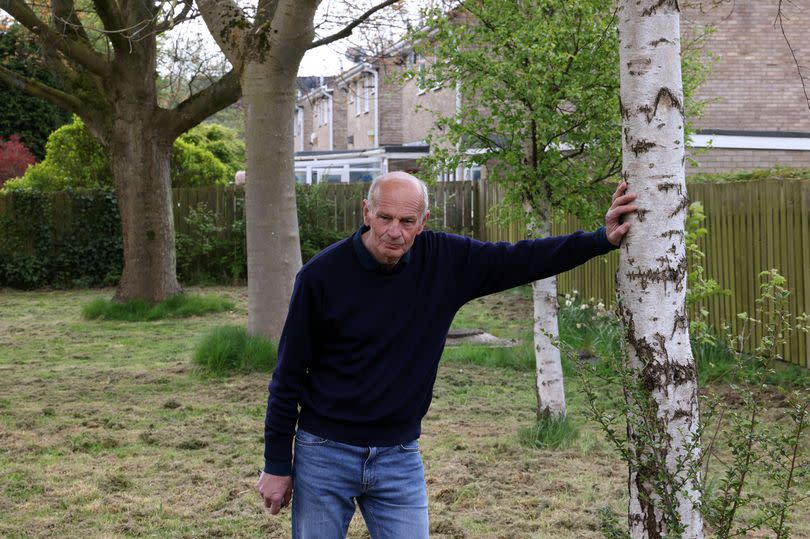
387 483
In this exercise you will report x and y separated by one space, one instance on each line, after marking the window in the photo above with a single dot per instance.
421 73
358 102
366 92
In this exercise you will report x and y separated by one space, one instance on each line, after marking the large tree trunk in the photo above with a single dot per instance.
273 246
651 277
140 156
549 376
140 164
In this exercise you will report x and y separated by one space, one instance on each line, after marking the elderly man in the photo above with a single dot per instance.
360 349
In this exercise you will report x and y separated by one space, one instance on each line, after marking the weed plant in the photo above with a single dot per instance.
179 306
227 350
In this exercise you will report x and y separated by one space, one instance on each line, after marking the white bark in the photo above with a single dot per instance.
652 270
549 387
550 390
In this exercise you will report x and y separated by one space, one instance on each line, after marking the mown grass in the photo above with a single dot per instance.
106 431
179 306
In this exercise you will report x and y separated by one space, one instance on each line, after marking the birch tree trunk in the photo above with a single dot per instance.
549 386
651 278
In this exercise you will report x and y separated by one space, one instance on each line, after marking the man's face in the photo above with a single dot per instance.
395 220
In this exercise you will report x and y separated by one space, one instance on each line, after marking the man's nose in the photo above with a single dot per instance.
394 229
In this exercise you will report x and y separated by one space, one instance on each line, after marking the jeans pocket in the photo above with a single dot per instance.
304 438
410 447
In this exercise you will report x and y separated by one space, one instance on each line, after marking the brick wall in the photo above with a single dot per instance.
754 84
726 160
390 104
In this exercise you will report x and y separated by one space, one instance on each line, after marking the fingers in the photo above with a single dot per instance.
620 189
623 200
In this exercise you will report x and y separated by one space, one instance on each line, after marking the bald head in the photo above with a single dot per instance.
401 178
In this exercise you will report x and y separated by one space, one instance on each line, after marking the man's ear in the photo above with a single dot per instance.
424 220
366 220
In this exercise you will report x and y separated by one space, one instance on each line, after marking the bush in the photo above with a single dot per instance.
63 240
230 350
222 142
179 306
211 252
314 219
75 160
15 158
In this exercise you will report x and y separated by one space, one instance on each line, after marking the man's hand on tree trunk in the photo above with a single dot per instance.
615 228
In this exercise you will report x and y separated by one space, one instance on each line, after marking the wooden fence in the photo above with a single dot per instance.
753 227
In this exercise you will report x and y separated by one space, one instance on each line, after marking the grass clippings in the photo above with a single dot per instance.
106 431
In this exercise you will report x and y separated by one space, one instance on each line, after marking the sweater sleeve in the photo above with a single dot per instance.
295 352
492 267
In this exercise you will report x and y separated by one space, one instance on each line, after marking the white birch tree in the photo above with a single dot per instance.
266 53
538 85
651 279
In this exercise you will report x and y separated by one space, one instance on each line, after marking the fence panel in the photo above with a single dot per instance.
753 227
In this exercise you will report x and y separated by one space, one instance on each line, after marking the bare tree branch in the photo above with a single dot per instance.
781 23
347 31
112 19
74 50
37 89
67 22
203 104
182 16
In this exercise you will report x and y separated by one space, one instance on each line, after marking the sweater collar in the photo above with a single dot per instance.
367 260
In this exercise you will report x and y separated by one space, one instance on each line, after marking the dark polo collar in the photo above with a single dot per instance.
368 262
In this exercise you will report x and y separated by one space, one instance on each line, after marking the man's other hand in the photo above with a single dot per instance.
614 227
276 491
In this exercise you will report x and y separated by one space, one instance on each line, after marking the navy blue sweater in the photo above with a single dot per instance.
361 344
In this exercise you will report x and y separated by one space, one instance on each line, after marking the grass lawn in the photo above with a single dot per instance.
106 431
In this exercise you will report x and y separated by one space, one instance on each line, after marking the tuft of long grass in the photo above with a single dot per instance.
179 306
229 350
549 433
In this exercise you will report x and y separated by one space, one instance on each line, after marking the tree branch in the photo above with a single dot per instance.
67 22
347 31
203 104
74 50
792 52
171 23
111 18
228 24
37 89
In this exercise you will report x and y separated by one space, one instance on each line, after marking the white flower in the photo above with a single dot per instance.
583 307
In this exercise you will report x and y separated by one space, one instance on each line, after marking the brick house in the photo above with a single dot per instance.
370 119
757 116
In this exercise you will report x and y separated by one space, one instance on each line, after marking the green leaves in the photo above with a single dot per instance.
539 100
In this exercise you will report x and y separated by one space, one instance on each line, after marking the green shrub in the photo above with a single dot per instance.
75 160
62 240
315 223
194 166
222 142
230 350
211 252
179 306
